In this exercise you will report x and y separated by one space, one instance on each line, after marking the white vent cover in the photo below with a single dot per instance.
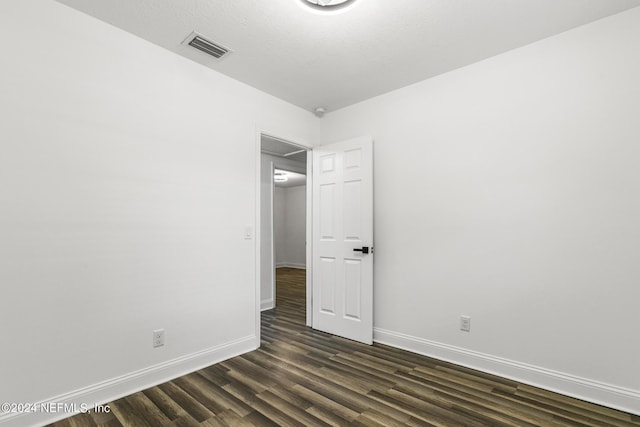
199 42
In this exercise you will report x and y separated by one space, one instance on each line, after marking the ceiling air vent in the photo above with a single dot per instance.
208 47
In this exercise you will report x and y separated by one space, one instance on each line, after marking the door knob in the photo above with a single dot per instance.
364 250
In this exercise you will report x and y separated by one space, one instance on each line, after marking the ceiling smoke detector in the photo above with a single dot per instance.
328 5
319 111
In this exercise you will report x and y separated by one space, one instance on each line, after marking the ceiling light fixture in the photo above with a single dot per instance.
280 176
328 5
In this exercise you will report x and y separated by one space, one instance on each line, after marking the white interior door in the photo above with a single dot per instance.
342 264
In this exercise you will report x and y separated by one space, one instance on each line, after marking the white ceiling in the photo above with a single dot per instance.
278 147
283 48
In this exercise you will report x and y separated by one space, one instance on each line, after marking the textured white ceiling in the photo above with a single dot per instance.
283 48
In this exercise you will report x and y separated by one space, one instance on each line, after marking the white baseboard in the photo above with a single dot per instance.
133 382
597 392
266 305
291 265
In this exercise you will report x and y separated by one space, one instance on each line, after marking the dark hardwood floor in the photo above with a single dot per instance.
305 378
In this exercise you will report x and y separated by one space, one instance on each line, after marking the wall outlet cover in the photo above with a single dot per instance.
158 338
465 323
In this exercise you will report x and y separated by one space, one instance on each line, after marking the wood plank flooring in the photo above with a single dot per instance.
301 377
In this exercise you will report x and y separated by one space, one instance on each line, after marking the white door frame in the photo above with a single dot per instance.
257 226
309 278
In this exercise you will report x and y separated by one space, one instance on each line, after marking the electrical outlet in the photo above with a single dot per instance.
158 338
465 323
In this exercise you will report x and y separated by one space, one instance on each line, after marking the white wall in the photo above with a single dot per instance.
508 191
290 206
117 214
279 224
296 232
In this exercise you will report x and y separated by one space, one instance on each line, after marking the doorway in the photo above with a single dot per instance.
339 249
283 213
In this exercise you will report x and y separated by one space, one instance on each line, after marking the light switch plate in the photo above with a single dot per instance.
248 232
